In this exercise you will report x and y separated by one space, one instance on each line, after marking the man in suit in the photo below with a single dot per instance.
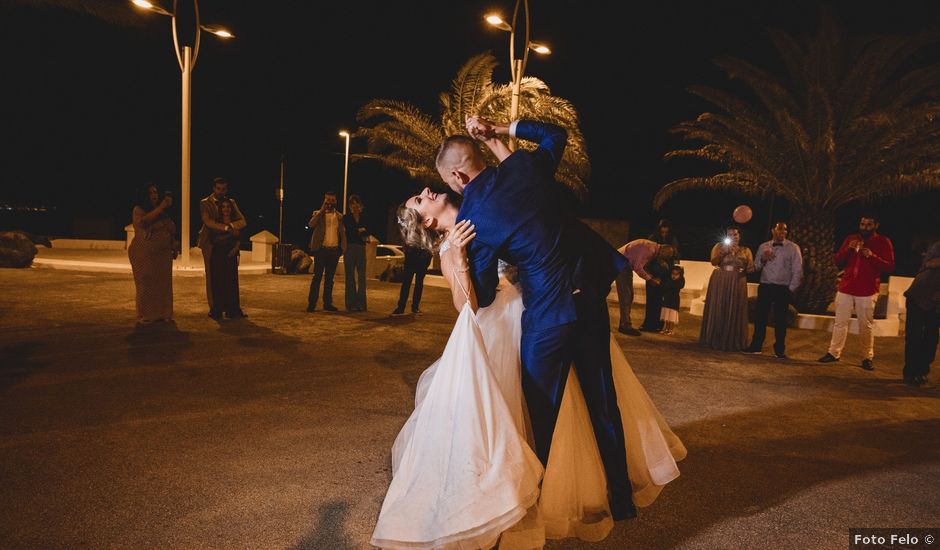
327 244
565 272
209 211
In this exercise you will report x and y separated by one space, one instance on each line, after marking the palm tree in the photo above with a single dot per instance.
403 137
850 123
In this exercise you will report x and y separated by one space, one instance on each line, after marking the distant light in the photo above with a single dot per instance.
727 240
344 133
498 22
539 48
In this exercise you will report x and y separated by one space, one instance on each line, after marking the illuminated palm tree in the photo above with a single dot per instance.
850 123
402 136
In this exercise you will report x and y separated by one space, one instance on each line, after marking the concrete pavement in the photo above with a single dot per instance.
274 431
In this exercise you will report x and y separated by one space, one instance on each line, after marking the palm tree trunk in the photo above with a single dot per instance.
814 232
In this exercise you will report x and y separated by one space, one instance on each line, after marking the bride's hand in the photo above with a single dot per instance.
461 235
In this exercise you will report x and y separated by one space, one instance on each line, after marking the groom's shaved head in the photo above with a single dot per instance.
459 153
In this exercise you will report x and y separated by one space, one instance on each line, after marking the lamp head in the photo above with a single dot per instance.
539 48
147 5
221 32
498 22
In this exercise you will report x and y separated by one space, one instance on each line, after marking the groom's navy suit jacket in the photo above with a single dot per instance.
520 217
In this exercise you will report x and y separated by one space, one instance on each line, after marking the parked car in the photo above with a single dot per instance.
391 251
388 258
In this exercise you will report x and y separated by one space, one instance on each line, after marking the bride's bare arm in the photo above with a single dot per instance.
456 268
499 149
487 132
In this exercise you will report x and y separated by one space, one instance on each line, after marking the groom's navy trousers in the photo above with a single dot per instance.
546 357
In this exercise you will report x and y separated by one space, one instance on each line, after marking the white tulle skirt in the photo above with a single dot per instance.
464 474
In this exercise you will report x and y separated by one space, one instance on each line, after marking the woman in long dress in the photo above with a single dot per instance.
151 256
464 473
724 322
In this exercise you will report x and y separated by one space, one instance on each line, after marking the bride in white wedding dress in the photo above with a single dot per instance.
464 474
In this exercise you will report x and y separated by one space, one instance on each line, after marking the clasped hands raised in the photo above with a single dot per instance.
480 128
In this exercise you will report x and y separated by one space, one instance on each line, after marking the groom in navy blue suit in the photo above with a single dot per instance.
565 271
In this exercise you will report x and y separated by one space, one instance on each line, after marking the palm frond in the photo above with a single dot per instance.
401 136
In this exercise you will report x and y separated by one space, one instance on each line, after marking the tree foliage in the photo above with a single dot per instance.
402 136
850 121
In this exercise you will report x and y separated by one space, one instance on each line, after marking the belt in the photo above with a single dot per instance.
729 267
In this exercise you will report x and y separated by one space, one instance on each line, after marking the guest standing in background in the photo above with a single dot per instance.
671 300
780 263
922 321
225 256
151 255
354 259
210 212
664 235
864 256
327 244
417 261
724 322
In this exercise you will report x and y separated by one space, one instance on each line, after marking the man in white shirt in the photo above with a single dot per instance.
327 244
780 263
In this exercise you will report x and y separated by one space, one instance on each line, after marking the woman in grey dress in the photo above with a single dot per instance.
151 254
724 323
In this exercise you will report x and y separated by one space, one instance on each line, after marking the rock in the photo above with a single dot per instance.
300 262
18 248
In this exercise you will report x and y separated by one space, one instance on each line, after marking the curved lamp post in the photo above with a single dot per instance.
517 66
345 134
187 61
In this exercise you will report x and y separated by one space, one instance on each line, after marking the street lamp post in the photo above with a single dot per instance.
187 61
345 134
517 66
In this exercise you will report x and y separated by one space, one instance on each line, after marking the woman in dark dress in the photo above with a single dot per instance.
224 264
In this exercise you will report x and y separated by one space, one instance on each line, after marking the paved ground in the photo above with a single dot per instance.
274 431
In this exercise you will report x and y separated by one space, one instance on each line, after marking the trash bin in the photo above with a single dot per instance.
280 258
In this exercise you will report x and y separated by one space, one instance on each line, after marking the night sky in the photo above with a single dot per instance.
90 102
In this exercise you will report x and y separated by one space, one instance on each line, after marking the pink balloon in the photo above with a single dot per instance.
742 214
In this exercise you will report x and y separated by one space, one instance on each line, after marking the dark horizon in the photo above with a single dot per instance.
91 104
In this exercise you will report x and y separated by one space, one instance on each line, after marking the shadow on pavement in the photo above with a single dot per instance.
329 533
157 343
17 362
252 335
399 357
747 463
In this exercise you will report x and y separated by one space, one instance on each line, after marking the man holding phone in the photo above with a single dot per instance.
864 256
327 244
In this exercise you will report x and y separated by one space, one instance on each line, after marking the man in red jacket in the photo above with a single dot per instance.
864 256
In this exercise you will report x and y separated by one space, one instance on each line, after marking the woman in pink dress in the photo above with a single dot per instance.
151 254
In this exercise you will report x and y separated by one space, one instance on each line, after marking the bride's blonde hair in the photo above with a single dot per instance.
413 231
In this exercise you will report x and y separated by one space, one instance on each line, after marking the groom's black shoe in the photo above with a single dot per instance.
630 331
622 511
